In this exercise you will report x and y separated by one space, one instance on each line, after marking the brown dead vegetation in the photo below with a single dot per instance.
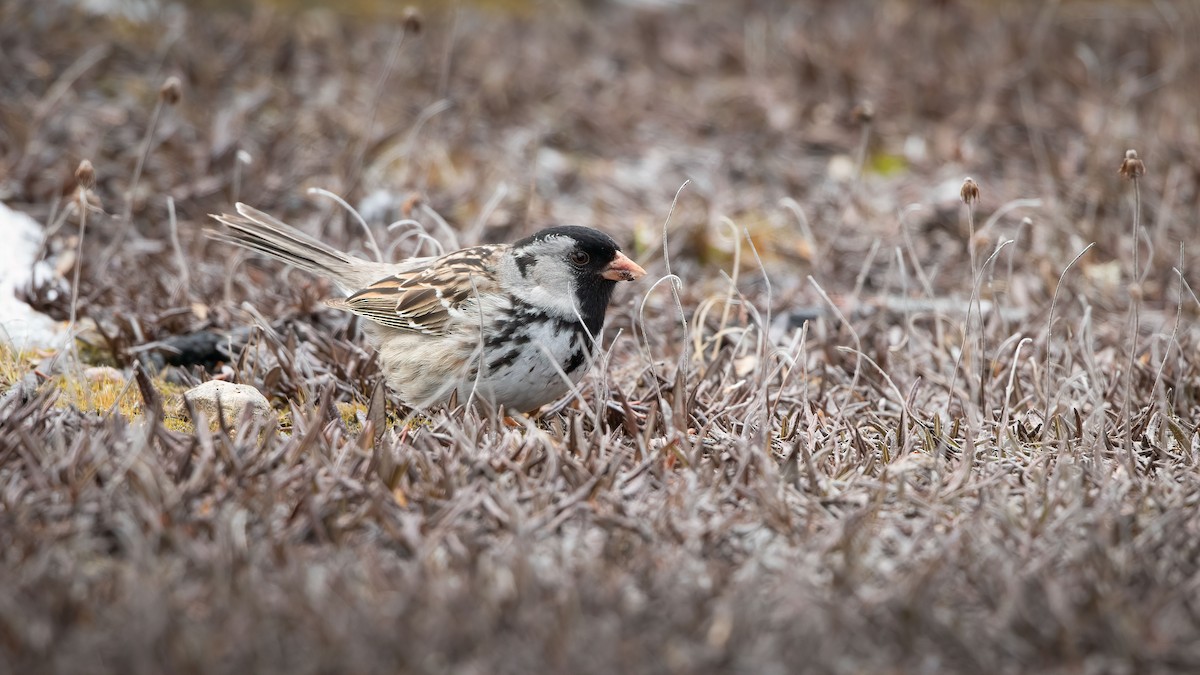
980 455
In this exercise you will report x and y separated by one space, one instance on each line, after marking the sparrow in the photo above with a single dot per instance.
510 326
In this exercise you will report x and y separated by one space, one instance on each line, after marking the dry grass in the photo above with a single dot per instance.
893 488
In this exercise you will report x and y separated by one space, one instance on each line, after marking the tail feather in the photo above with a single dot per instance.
265 234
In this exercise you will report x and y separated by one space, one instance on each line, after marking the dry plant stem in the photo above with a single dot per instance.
574 389
410 139
486 212
450 233
241 160
1187 287
1002 430
1137 215
766 324
185 281
448 54
926 284
858 351
797 351
57 219
860 155
974 304
667 254
357 217
675 284
887 378
1011 254
700 318
603 392
1130 455
1037 141
147 140
1172 340
971 236
805 230
419 232
737 266
227 288
903 271
354 174
380 167
1005 208
865 271
1050 336
995 218
81 202
970 453
117 401
973 301
805 444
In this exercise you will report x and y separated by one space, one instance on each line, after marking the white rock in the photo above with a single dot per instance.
234 400
102 373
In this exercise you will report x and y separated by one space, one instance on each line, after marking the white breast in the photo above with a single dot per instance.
524 375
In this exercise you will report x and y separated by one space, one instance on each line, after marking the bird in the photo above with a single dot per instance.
505 326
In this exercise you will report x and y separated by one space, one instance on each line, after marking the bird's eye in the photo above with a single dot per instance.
580 258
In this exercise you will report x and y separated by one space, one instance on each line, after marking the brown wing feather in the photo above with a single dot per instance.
421 299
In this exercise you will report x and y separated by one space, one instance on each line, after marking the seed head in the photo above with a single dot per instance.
412 20
171 91
863 113
1132 168
85 175
411 203
970 191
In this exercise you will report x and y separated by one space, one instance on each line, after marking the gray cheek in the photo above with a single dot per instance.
525 263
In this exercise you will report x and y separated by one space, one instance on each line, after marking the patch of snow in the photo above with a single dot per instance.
21 325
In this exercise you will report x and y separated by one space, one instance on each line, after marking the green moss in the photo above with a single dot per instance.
349 413
886 164
16 363
98 394
179 424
